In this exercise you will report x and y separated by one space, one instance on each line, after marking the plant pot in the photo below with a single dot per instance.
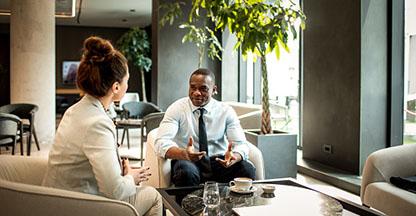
279 152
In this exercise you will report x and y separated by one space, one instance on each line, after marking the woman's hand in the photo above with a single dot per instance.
140 174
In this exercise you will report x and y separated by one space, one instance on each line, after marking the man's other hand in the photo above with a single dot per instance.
190 152
230 157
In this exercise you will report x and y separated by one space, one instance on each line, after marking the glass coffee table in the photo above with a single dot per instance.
289 198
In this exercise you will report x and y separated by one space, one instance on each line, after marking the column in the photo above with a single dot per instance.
32 61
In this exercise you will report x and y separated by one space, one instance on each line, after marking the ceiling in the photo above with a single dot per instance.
100 13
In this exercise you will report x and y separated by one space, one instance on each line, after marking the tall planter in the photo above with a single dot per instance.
279 152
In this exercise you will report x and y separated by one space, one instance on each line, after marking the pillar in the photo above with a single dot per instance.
32 61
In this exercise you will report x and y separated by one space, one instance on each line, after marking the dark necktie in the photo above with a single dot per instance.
203 141
205 165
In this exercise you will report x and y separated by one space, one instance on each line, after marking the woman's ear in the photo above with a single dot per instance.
115 88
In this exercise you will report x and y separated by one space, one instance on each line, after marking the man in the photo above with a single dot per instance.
203 136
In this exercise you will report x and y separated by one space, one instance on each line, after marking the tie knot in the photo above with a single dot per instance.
201 111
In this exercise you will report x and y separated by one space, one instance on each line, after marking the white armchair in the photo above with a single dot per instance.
248 114
376 189
161 169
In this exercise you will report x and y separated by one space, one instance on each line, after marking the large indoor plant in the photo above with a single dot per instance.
260 27
135 45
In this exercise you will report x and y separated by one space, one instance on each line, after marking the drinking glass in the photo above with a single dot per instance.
211 194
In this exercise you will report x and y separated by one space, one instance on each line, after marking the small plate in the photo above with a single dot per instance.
236 190
268 188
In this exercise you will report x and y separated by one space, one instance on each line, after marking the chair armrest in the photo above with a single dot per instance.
256 157
39 200
159 167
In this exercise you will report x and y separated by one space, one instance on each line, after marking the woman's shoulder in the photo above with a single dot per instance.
87 114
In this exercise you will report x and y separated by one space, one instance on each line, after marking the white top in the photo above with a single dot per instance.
181 122
84 157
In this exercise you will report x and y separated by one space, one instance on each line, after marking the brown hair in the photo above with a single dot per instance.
101 65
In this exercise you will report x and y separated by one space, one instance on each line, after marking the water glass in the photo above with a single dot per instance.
211 194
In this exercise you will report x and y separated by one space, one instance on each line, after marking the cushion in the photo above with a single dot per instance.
406 183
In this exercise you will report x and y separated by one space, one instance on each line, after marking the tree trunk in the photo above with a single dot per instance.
265 115
143 86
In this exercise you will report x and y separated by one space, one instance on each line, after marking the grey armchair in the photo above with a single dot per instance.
11 131
134 110
149 123
24 111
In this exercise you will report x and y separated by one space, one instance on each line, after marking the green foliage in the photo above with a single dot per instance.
260 27
173 10
201 36
197 32
135 45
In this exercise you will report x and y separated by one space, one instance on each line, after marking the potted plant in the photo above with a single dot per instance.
135 45
260 27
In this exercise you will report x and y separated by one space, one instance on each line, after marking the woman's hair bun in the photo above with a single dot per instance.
97 49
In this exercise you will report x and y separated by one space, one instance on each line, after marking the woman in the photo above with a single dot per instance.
84 156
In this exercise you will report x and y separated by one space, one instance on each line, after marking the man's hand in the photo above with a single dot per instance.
140 174
230 157
190 152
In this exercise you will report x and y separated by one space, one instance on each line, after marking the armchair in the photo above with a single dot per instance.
21 193
376 189
11 130
24 111
161 169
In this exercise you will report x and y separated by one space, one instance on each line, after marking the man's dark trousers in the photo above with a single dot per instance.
187 173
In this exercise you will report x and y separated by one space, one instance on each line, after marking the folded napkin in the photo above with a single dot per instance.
406 183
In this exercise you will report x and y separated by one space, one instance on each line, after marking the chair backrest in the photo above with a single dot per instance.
23 110
129 97
9 124
140 109
152 120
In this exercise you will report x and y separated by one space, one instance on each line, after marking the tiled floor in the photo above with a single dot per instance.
134 151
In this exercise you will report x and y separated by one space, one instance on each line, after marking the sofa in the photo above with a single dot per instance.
21 193
377 191
161 169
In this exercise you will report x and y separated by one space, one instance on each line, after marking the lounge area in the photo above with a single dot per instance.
326 104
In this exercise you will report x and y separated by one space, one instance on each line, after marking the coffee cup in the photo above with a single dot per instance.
243 184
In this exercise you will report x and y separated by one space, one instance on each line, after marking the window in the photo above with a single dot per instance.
284 83
410 73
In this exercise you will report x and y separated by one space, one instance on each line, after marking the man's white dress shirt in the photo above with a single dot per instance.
181 122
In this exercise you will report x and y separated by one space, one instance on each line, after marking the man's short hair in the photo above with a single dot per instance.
205 72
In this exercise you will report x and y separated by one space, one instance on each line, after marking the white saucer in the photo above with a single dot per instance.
236 190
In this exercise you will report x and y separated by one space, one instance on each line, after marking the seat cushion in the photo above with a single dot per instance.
390 199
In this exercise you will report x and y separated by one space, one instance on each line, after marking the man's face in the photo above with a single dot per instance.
201 88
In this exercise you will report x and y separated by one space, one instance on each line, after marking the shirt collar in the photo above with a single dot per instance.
207 107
